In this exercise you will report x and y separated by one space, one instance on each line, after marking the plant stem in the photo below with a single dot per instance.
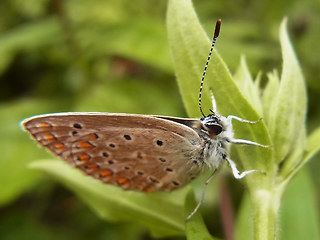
265 204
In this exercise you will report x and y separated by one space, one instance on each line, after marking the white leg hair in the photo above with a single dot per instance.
230 117
243 141
236 172
247 142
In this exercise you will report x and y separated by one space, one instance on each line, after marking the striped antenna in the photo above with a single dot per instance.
215 36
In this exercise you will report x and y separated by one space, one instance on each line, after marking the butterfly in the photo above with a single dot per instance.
140 152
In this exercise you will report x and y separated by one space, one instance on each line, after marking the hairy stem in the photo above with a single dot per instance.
265 204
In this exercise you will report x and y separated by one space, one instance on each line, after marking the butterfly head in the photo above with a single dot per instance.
212 125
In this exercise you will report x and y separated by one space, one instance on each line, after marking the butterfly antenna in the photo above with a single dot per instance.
215 36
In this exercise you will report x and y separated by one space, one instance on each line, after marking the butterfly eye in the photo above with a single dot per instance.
214 129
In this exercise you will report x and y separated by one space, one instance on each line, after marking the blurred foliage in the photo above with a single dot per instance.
113 56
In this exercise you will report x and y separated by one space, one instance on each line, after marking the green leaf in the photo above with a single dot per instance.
257 83
298 214
195 227
245 83
313 146
269 93
189 47
288 110
161 213
293 159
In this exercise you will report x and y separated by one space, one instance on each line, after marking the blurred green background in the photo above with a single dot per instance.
113 56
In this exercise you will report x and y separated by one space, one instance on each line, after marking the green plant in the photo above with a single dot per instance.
282 106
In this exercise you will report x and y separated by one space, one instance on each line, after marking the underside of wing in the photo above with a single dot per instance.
136 152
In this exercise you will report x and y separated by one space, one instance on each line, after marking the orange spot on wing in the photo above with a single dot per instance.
85 145
59 147
122 180
93 136
106 173
48 136
43 125
92 166
84 157
45 138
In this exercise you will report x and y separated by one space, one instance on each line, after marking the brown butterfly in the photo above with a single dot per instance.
140 152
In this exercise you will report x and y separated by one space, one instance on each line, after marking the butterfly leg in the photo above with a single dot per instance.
195 210
247 142
243 141
236 172
230 117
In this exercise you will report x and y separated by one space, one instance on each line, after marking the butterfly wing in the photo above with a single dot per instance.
136 152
